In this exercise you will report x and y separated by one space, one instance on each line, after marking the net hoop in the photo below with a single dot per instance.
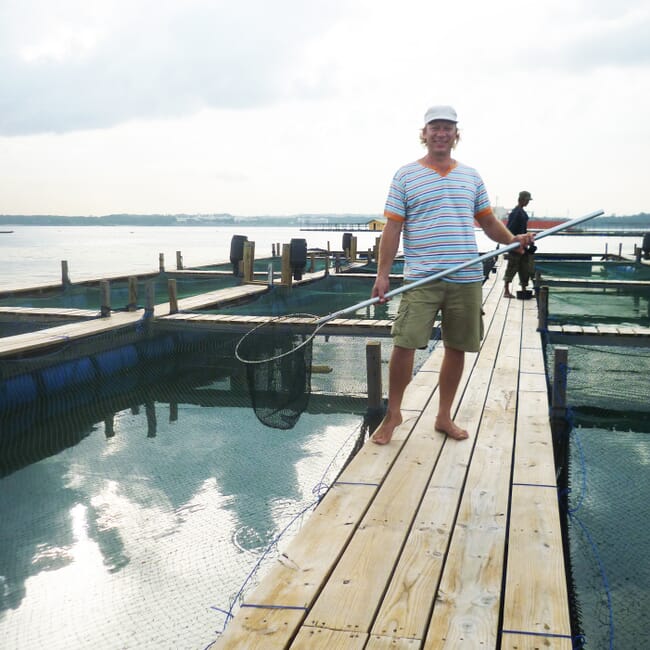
316 325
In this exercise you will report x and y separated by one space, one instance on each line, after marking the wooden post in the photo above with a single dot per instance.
133 293
173 296
376 251
105 289
149 299
620 249
152 422
109 425
542 309
272 250
373 373
560 371
161 262
375 412
65 277
353 249
179 261
249 260
286 276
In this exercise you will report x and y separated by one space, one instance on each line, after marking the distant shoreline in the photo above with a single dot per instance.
640 222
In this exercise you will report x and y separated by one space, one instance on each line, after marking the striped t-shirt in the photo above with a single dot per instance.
438 215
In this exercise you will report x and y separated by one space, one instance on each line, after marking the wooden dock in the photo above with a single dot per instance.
429 542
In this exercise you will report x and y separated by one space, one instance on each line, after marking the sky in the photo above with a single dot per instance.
283 107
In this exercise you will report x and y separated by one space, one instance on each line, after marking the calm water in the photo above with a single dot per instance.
32 255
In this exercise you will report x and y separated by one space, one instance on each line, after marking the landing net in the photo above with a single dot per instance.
278 362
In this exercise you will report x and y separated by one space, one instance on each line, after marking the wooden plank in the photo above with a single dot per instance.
363 568
46 312
277 606
536 601
316 638
534 462
391 643
256 628
407 604
467 605
64 333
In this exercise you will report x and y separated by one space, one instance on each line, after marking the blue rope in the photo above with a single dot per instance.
603 575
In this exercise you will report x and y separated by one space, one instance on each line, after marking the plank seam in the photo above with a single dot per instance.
544 485
542 634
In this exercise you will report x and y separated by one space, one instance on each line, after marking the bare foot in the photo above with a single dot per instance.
451 429
384 432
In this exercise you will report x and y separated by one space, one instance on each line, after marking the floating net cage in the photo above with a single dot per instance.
153 425
88 295
592 269
598 293
603 494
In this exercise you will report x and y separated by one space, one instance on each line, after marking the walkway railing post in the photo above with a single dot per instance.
249 260
286 276
542 309
375 392
149 302
65 277
560 425
173 296
105 289
133 293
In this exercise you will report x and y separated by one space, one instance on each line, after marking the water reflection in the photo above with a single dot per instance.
155 482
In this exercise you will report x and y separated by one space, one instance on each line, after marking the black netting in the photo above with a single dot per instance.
604 496
278 363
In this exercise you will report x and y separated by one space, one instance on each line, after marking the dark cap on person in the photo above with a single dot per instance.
525 195
440 113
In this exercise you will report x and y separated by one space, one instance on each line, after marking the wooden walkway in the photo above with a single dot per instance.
428 542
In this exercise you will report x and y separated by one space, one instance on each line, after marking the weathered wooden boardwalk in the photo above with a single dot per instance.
428 542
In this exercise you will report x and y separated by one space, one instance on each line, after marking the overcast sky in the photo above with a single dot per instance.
309 106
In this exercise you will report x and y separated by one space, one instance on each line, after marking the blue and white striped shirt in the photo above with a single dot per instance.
438 213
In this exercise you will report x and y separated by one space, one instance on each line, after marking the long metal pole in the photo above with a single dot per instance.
437 276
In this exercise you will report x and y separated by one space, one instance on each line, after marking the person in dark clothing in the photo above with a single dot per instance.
522 265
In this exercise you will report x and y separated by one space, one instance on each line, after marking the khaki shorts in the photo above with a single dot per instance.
460 306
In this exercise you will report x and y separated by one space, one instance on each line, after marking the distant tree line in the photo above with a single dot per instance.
636 221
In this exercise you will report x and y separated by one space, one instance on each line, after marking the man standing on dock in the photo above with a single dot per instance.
434 202
521 265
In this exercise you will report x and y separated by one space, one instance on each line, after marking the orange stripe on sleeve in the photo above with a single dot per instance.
483 213
393 217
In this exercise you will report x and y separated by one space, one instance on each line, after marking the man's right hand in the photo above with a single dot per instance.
380 288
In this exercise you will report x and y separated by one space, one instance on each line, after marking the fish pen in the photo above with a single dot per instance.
599 319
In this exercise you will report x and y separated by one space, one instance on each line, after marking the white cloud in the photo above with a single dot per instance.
276 108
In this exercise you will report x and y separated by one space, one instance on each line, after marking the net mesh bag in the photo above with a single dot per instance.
278 371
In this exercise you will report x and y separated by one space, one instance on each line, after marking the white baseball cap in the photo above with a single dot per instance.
440 113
